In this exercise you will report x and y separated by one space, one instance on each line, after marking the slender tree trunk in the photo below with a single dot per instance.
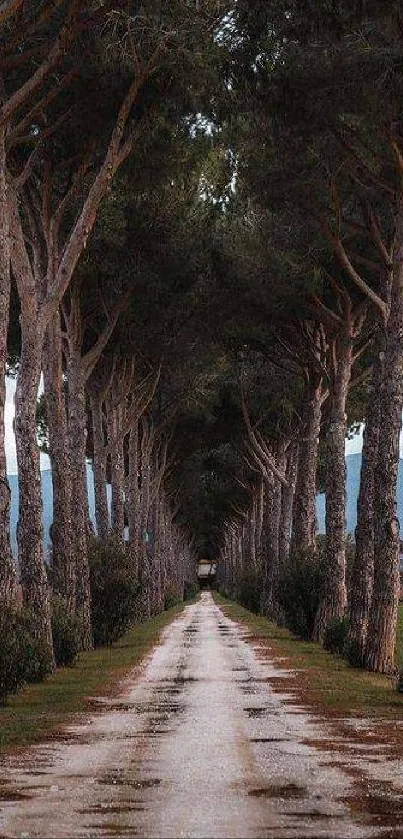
287 500
7 572
335 595
79 494
269 548
117 471
381 636
29 529
304 512
63 568
134 493
101 499
362 572
271 577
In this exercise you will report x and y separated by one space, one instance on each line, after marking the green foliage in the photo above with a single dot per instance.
399 681
353 653
114 590
335 635
249 589
190 590
23 656
66 633
172 596
300 588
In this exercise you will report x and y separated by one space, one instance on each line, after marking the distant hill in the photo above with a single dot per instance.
353 483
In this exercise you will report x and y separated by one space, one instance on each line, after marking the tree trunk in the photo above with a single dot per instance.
29 529
117 470
304 512
63 568
271 576
381 636
7 572
133 507
269 550
287 500
335 595
362 572
79 494
99 467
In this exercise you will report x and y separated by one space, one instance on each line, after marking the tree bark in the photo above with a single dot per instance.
7 571
335 594
304 512
287 500
362 572
381 636
116 469
133 486
273 518
29 529
63 567
79 494
99 466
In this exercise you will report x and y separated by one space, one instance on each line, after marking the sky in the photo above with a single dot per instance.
352 446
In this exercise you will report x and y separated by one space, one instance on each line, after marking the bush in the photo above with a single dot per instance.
335 635
250 588
66 631
172 597
300 587
23 656
114 590
399 682
190 590
353 653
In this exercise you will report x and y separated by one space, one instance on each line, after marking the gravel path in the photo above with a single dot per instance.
196 745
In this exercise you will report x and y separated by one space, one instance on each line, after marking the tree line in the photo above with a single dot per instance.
201 237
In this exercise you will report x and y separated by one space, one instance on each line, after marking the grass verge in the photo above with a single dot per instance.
326 682
39 710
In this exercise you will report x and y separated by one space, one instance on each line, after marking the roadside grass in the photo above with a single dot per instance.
39 710
326 681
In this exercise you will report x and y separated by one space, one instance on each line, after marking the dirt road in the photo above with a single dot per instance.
196 745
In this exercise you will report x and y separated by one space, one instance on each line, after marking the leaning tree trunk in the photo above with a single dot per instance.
304 512
381 636
7 573
63 568
79 494
99 467
335 595
29 529
362 572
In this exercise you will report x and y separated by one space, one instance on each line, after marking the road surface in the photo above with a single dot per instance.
197 744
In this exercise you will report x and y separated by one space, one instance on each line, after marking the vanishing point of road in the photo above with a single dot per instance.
197 744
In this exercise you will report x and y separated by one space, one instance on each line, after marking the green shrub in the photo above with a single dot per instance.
23 656
335 635
36 653
66 632
249 589
353 653
172 596
114 590
190 590
300 587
